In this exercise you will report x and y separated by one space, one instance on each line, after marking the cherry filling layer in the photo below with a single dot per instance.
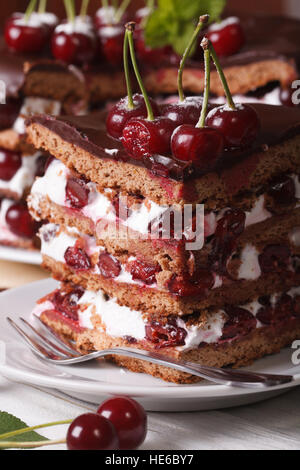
142 216
75 307
63 306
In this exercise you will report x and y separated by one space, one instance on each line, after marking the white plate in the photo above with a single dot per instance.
93 381
19 255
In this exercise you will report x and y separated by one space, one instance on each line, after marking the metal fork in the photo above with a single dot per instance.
54 348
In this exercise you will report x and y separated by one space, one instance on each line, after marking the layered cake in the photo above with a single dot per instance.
182 239
74 66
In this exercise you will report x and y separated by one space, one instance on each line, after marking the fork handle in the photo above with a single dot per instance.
237 378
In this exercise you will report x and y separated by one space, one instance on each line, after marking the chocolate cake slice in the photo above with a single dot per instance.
229 301
83 145
233 335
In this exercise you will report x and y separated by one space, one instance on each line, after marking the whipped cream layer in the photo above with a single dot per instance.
55 242
106 315
53 186
24 177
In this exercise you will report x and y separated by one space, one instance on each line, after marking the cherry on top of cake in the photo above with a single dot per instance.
88 133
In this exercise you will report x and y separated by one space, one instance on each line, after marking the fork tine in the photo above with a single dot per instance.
34 345
57 336
45 340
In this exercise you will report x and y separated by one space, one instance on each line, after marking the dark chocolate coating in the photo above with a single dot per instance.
278 123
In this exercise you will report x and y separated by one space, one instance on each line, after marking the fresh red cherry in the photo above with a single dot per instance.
73 45
154 56
111 43
104 16
227 37
201 145
289 97
25 36
129 419
240 126
49 20
107 16
91 431
119 114
9 113
77 193
142 137
185 112
19 221
10 162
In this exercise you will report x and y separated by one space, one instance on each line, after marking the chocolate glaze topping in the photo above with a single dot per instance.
14 67
278 123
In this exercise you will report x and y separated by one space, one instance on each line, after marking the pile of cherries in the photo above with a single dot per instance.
120 423
82 39
182 128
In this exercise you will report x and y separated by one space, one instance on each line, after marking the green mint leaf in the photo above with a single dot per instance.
9 423
173 21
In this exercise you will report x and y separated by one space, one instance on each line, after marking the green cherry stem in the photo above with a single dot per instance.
205 46
84 8
121 10
130 28
105 4
150 4
70 9
202 21
42 6
8 435
30 445
215 58
127 72
30 9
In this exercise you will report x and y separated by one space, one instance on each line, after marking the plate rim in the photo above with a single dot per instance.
20 255
171 391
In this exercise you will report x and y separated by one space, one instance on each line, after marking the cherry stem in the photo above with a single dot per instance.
115 4
222 76
8 435
30 445
42 6
121 10
30 9
84 8
202 21
127 72
201 122
130 28
150 4
70 9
